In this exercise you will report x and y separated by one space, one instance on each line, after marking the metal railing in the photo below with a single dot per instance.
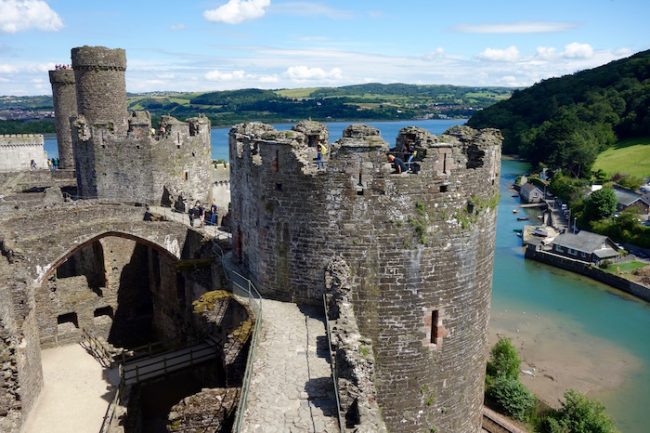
242 286
335 378
109 415
159 365
96 348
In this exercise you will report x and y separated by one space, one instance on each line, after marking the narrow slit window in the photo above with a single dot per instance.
434 327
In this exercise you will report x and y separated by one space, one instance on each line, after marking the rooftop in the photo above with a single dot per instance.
583 241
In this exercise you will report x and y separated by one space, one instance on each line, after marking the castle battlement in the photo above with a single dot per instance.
419 248
362 150
21 140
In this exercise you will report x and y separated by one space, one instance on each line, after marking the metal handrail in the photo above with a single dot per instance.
335 378
170 362
245 285
97 348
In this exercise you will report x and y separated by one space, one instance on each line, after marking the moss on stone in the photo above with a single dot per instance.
243 331
208 300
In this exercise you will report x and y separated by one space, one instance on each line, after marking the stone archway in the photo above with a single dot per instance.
116 285
34 243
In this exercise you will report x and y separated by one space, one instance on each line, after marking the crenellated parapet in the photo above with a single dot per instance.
118 154
419 247
20 152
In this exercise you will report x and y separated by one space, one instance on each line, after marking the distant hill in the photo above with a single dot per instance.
565 122
371 101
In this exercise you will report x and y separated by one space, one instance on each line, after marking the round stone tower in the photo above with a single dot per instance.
419 248
65 106
101 87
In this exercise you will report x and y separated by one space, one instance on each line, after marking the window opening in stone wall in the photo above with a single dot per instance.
434 327
444 163
444 188
68 318
103 311
278 187
186 175
470 207
276 162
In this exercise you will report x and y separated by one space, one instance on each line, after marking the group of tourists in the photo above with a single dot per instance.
52 164
204 217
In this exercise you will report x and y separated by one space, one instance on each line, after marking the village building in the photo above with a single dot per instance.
626 199
585 246
531 194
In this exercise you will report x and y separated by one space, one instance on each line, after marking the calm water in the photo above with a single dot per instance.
579 306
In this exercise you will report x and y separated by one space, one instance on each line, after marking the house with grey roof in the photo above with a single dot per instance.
626 198
530 193
585 246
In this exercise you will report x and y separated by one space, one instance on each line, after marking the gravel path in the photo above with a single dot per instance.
75 394
291 386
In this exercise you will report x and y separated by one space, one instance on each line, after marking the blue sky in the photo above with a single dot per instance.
228 44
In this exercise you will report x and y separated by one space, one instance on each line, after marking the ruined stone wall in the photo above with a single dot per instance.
64 98
117 155
420 250
18 150
29 308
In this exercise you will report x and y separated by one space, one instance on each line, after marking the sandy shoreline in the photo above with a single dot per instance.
556 357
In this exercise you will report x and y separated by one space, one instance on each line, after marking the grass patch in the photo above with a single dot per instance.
627 156
296 93
626 267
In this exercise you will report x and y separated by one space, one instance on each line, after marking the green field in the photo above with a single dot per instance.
628 156
296 93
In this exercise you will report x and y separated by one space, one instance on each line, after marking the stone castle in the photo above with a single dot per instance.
116 154
403 262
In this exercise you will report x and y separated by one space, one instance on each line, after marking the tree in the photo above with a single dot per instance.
504 360
579 414
600 204
510 396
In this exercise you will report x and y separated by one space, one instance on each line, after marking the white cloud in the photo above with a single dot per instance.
18 15
269 79
236 11
517 27
305 73
177 27
509 54
576 50
310 8
546 53
435 54
8 69
217 75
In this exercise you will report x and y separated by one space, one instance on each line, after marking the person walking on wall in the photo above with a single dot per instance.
321 151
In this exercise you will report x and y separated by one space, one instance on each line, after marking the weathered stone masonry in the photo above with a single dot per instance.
64 97
116 153
419 248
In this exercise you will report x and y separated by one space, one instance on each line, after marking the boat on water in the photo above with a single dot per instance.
515 195
515 211
522 218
